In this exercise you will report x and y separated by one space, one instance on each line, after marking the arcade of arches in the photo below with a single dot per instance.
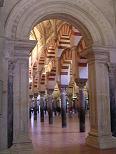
58 66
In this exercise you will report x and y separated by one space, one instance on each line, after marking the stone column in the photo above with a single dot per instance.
50 105
21 141
63 106
11 65
35 107
112 80
81 110
100 125
75 61
3 92
58 68
30 105
42 103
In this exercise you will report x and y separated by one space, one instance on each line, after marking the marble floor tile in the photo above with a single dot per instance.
53 139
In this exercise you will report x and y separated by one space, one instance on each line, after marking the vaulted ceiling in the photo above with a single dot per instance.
53 54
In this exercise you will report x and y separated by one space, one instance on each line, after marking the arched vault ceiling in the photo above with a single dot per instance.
56 39
46 30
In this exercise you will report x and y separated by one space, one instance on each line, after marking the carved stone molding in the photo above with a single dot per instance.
112 69
22 48
50 91
98 53
74 9
42 93
11 65
80 82
18 48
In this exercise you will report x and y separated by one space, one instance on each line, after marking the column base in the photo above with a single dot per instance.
5 152
101 142
22 148
41 115
50 114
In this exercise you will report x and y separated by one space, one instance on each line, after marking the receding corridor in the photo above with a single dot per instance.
58 76
53 139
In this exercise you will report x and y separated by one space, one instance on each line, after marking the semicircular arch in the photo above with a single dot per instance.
90 22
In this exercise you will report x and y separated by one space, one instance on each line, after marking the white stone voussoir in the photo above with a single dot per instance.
80 13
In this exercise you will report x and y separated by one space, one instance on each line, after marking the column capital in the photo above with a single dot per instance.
112 68
42 93
63 87
80 82
49 91
11 66
22 48
74 48
97 53
18 48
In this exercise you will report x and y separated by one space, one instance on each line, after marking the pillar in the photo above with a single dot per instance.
11 65
100 125
21 141
112 83
75 61
81 110
58 68
50 105
35 107
30 105
63 106
3 92
42 104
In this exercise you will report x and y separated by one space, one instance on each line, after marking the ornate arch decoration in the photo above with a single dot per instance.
91 22
65 60
64 30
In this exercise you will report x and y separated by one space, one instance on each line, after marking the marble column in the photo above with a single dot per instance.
50 105
58 68
35 107
81 106
30 105
63 106
42 103
3 92
112 83
11 65
21 141
100 125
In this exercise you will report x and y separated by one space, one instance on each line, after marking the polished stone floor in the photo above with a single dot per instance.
52 139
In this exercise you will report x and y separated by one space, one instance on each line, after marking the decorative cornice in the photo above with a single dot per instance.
23 47
97 47
17 48
97 53
24 44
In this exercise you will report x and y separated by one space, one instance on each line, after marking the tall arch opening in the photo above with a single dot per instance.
97 37
58 78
